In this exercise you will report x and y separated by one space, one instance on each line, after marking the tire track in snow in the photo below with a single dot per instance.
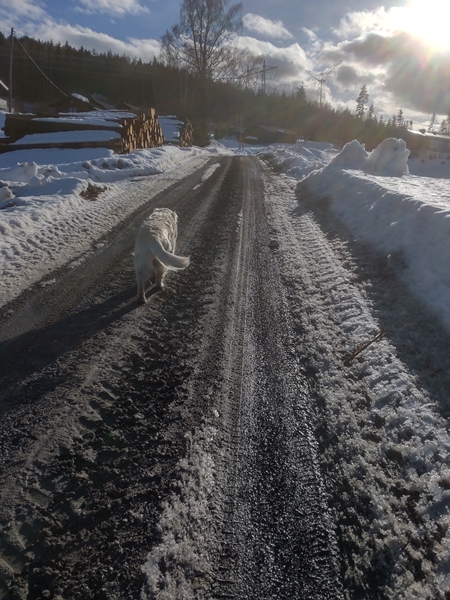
386 449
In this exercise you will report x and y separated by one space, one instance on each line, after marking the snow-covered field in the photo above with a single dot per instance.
50 215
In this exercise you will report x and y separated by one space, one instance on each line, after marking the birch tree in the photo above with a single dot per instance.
205 40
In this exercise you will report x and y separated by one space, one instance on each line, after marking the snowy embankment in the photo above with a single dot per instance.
401 215
386 443
404 217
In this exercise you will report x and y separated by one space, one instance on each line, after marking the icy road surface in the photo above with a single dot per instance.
272 425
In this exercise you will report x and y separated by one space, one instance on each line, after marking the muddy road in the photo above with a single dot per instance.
216 442
164 449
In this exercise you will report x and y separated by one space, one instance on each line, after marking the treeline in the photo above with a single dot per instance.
71 70
171 91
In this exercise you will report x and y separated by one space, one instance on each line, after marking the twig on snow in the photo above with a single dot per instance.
349 357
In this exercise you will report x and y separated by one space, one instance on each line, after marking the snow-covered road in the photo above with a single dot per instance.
367 333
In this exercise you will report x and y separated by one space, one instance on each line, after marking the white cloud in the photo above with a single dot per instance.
290 62
359 23
266 27
421 23
315 44
117 8
32 20
293 54
78 36
12 11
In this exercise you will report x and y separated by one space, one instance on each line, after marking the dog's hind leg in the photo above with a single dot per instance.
141 292
160 272
141 279
144 273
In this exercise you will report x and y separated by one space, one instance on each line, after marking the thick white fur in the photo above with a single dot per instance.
153 252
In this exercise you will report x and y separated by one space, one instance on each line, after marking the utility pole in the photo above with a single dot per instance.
10 70
263 77
322 79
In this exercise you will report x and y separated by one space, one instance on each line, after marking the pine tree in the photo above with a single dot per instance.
361 102
371 113
433 122
400 120
301 94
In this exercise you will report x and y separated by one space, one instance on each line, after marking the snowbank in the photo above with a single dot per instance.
300 159
401 216
389 158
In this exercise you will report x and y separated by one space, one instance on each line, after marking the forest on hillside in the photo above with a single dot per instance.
44 71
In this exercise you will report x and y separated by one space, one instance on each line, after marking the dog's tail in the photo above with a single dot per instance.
170 261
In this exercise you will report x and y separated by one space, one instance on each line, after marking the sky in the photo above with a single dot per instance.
399 49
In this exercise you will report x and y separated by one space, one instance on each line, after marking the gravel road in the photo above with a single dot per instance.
192 447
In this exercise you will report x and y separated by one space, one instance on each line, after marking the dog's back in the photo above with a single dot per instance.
163 225
154 249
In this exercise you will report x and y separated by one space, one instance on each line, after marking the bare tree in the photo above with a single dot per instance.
204 42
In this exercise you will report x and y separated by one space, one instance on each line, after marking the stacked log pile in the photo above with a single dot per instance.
186 134
143 131
128 131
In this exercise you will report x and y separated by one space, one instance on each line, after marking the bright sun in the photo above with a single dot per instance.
429 20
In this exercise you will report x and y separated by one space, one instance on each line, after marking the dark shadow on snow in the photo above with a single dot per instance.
23 356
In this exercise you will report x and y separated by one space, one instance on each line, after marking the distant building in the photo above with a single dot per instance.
428 146
77 103
265 134
101 104
129 107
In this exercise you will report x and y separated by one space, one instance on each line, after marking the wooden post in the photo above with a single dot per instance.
10 70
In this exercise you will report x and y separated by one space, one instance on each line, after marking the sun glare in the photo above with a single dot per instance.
429 20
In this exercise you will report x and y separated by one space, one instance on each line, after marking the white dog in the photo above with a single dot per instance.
153 252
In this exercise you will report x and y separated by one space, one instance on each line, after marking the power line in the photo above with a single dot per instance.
39 69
